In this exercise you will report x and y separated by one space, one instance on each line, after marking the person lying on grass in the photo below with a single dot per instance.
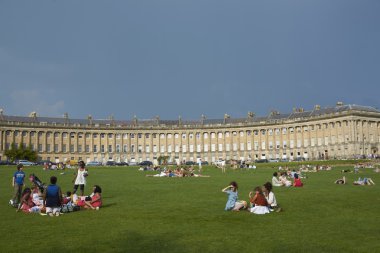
364 181
258 202
233 204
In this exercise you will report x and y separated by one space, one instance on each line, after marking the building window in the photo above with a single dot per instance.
110 136
95 148
72 148
109 148
39 147
87 148
102 149
139 136
79 148
133 148
64 148
117 148
47 147
56 148
125 149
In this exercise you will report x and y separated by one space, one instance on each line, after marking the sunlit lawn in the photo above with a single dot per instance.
146 214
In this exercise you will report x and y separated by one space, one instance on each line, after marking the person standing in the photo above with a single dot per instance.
200 166
80 178
17 184
53 198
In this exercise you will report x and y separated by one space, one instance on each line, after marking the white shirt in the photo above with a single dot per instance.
81 179
271 199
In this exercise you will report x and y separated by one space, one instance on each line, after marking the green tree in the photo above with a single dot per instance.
163 159
21 153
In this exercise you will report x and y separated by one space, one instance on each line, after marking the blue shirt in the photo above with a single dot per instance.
19 177
52 196
232 198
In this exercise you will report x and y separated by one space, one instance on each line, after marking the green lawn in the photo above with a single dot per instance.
145 214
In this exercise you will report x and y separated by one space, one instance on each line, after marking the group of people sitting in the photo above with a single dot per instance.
49 200
262 199
178 172
283 179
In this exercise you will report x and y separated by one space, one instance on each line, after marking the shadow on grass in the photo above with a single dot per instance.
109 205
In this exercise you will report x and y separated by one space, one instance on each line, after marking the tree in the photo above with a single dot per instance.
21 153
163 159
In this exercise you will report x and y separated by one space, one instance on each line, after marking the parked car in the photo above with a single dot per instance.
110 163
190 163
273 160
7 163
146 163
299 159
122 164
284 160
94 163
26 163
262 161
204 163
42 162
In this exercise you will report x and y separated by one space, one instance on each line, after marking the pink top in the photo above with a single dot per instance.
96 200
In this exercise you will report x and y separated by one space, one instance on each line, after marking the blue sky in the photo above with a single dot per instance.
177 57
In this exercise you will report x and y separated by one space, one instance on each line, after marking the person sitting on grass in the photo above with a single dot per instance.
269 196
258 202
284 180
95 201
233 204
53 198
341 180
297 181
276 181
26 203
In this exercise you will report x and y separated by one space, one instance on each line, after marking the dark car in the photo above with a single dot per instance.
190 163
262 160
42 162
146 163
122 164
204 163
110 163
7 163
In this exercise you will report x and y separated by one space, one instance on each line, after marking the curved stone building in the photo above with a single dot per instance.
341 131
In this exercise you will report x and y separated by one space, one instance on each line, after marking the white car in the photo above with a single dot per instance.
26 163
219 162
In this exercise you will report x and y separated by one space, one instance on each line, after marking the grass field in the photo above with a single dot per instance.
145 214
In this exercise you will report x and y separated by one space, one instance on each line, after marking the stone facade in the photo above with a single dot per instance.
342 131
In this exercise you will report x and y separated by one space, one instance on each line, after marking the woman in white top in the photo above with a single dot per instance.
275 181
269 196
80 178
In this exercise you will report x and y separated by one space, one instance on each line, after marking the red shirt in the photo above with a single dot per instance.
297 182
